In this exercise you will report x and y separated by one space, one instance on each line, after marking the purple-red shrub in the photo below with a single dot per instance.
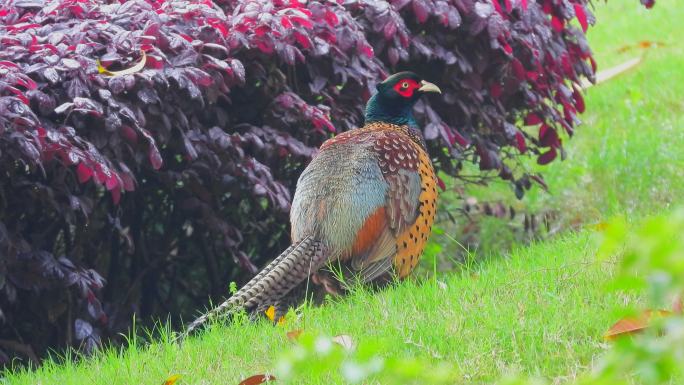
149 191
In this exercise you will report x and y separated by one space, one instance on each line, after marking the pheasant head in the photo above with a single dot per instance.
393 102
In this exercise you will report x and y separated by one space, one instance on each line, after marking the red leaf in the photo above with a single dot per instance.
302 40
520 142
557 23
128 182
186 37
331 18
518 69
579 100
581 16
567 66
420 10
219 25
4 63
155 157
257 379
83 172
262 30
441 184
389 30
497 6
111 182
366 50
532 119
496 90
542 130
129 134
285 22
524 4
76 10
19 94
264 47
27 83
547 157
116 195
569 113
22 27
98 175
304 22
549 137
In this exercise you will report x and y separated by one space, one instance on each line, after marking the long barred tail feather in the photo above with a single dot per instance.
292 267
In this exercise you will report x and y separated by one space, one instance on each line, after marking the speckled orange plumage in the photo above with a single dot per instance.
411 243
397 148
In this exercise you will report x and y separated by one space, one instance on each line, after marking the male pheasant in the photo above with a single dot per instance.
365 202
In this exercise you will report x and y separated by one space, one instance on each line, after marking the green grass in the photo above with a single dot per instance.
539 309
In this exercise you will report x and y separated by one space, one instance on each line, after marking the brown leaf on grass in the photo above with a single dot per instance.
344 340
633 325
257 379
645 44
599 226
293 335
136 68
171 380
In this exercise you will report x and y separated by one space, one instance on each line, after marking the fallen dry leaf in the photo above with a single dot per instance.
645 44
171 380
257 379
600 226
293 335
633 325
270 313
136 68
344 340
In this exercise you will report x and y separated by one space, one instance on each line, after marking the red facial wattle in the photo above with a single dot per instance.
406 87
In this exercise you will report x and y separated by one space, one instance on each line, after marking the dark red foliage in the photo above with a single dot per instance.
648 3
149 191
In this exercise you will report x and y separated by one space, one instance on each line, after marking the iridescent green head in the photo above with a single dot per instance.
393 103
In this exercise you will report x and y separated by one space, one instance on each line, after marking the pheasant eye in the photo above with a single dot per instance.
405 87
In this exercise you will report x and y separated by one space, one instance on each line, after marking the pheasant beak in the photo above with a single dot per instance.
428 87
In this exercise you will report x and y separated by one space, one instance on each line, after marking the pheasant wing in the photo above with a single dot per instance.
409 176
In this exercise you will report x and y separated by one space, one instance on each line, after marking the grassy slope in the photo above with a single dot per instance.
541 309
